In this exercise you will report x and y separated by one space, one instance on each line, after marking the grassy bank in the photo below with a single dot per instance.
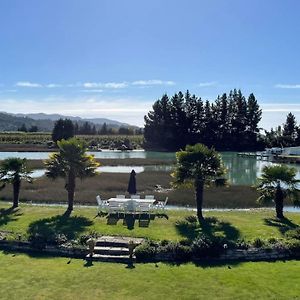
233 225
110 184
39 163
40 277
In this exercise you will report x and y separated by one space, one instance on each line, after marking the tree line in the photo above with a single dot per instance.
287 135
228 123
66 128
24 128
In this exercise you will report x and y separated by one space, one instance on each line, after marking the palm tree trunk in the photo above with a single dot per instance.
279 202
16 192
71 190
199 185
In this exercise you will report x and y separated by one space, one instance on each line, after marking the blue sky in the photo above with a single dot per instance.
96 58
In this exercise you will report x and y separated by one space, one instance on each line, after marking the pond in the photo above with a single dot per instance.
240 170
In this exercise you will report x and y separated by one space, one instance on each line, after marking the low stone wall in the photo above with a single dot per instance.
75 252
257 254
254 254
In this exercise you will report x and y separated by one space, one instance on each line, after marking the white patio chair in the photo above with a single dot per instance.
149 197
135 197
143 208
115 207
162 204
102 204
130 207
120 196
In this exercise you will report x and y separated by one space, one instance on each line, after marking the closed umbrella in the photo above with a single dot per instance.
132 183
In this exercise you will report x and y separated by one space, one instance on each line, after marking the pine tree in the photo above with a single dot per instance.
63 129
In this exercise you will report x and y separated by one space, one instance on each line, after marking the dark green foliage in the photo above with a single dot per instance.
258 243
23 128
204 246
33 128
230 123
277 183
103 130
146 251
179 251
13 170
287 135
196 167
56 230
63 130
92 234
293 233
71 162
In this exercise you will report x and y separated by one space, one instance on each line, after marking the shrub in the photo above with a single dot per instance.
204 246
145 252
40 240
179 251
272 241
241 244
83 238
191 219
293 245
293 233
258 243
37 241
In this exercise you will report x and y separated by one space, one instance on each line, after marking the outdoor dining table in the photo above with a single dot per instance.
125 200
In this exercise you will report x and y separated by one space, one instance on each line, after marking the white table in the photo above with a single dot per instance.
131 205
125 200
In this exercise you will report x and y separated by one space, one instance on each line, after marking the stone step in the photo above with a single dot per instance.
111 250
121 242
110 244
111 258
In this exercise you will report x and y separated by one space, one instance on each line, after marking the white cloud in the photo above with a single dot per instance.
275 114
28 84
281 107
92 91
207 84
107 85
53 85
129 110
287 86
152 82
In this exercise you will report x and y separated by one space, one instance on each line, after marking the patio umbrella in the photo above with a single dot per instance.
132 183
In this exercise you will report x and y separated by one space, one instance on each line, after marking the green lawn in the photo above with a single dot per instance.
233 224
25 277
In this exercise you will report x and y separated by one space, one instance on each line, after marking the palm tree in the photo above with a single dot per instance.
13 170
196 167
71 162
276 183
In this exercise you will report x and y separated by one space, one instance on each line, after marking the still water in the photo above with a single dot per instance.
240 170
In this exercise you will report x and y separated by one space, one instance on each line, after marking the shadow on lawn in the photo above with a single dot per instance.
8 215
283 225
210 226
70 226
129 220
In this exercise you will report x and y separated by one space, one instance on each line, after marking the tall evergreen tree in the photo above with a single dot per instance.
63 129
253 118
289 128
157 132
103 130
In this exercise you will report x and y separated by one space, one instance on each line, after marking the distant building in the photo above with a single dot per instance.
291 151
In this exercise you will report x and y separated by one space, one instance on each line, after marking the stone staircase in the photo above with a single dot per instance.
113 249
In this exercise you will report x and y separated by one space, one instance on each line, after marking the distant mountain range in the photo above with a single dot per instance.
45 122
